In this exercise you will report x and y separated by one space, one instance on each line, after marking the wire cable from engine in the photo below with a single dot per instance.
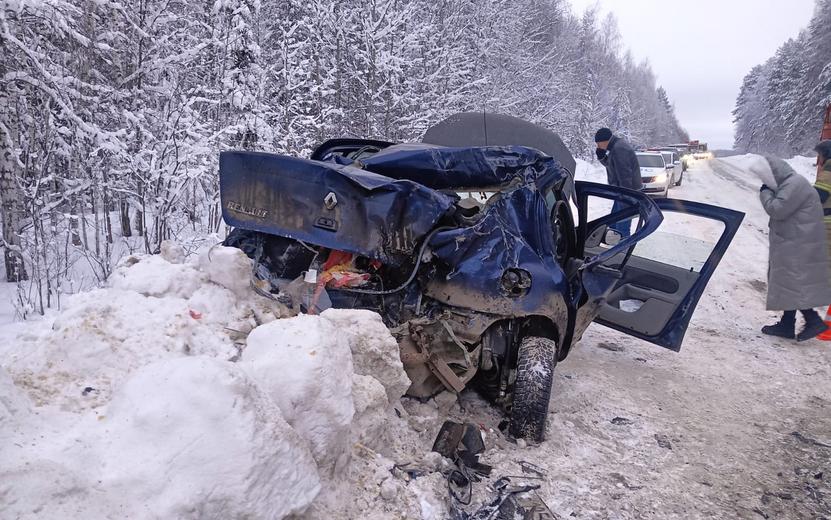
412 274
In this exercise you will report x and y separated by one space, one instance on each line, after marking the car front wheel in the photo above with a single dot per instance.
536 360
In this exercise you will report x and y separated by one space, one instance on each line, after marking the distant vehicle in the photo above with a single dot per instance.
654 173
674 167
699 150
683 151
674 157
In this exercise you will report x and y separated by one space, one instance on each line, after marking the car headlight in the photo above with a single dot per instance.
661 178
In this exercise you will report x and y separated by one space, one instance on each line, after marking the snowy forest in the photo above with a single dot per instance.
113 114
781 102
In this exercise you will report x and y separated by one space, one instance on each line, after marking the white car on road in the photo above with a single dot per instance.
674 167
654 174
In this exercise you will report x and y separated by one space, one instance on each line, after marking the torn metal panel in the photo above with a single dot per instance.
513 240
434 357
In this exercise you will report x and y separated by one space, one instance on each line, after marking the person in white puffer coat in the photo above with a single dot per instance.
798 267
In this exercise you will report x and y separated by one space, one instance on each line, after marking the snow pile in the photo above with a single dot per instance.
379 379
155 276
357 357
152 310
219 442
14 405
177 392
741 162
289 359
805 166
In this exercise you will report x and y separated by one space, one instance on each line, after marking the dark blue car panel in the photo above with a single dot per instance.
442 168
515 232
374 216
384 208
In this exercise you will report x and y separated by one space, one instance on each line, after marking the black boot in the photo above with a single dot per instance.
814 326
785 328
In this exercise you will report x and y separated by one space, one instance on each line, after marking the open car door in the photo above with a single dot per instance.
661 271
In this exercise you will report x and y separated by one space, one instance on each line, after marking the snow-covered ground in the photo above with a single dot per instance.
178 393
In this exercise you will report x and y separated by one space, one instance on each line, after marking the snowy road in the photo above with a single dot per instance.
736 425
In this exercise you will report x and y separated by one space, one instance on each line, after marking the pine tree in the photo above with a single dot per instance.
779 108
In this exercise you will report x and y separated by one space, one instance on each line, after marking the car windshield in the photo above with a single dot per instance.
651 161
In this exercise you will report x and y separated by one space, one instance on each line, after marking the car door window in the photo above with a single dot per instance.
683 241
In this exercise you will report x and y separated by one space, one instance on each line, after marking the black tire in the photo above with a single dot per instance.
536 360
680 179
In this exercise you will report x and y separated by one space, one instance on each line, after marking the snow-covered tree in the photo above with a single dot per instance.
113 114
780 105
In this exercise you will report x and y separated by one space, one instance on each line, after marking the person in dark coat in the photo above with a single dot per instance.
798 269
622 169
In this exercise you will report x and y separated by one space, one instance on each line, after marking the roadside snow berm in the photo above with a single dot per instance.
178 392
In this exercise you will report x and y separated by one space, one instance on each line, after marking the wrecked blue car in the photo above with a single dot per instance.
475 247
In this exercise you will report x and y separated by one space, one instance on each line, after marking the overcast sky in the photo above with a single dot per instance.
701 49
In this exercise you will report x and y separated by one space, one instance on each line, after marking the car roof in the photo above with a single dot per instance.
650 153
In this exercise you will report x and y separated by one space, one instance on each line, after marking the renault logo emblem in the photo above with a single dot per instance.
330 201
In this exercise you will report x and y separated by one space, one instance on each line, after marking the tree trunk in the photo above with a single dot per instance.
84 231
10 213
73 220
139 222
94 200
124 214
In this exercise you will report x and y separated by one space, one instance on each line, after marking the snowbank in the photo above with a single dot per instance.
217 439
289 359
379 379
805 166
741 161
176 392
14 404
